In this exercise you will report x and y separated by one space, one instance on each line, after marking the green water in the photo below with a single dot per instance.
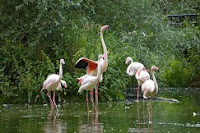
113 117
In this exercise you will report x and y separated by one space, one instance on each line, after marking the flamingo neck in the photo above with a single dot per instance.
60 72
129 71
105 52
99 71
131 60
137 75
155 81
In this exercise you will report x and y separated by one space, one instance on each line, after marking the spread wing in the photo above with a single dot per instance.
85 62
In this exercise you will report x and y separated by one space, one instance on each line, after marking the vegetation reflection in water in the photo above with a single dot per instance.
144 116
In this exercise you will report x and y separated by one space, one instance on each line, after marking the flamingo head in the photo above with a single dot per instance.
100 57
153 68
128 60
103 61
64 84
62 61
105 27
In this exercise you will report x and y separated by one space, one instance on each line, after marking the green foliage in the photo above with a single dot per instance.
179 73
34 35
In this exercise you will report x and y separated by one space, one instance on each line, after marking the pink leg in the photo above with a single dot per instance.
87 101
138 94
92 100
138 114
143 115
48 94
54 95
96 95
150 112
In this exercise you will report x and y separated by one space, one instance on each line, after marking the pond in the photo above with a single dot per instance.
153 115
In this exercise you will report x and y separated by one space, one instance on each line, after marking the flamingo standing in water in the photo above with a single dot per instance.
137 69
91 66
52 83
150 87
141 75
89 82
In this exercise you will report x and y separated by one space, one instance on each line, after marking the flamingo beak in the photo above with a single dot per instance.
65 86
105 27
157 68
41 90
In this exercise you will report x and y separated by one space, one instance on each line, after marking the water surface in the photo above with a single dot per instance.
127 116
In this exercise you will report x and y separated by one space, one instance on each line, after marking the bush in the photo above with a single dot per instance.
39 33
179 73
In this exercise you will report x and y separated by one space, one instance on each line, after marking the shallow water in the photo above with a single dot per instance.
129 116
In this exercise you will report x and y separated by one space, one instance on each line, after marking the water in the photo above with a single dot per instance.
162 116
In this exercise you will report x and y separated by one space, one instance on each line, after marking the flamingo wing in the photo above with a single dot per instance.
85 62
51 79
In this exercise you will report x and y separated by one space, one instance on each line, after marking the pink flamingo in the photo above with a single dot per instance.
137 69
133 66
89 82
52 83
141 75
150 87
62 83
91 66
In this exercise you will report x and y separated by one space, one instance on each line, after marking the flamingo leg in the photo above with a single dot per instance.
48 94
143 115
92 100
87 101
150 112
138 93
138 114
54 102
96 95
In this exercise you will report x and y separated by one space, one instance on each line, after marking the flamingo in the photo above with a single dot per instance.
141 75
91 66
62 83
52 83
150 87
137 69
89 82
133 66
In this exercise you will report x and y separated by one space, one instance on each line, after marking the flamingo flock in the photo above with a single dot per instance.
94 75
149 87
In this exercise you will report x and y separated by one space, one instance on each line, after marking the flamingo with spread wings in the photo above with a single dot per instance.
89 82
91 66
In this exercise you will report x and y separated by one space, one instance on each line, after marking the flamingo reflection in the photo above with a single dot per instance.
54 125
92 125
144 118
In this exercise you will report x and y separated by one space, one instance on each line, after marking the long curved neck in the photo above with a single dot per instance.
105 52
60 72
155 81
129 72
130 61
137 75
98 71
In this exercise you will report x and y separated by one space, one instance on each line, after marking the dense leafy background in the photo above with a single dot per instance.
34 35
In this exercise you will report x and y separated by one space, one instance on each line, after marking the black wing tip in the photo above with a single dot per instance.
81 64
